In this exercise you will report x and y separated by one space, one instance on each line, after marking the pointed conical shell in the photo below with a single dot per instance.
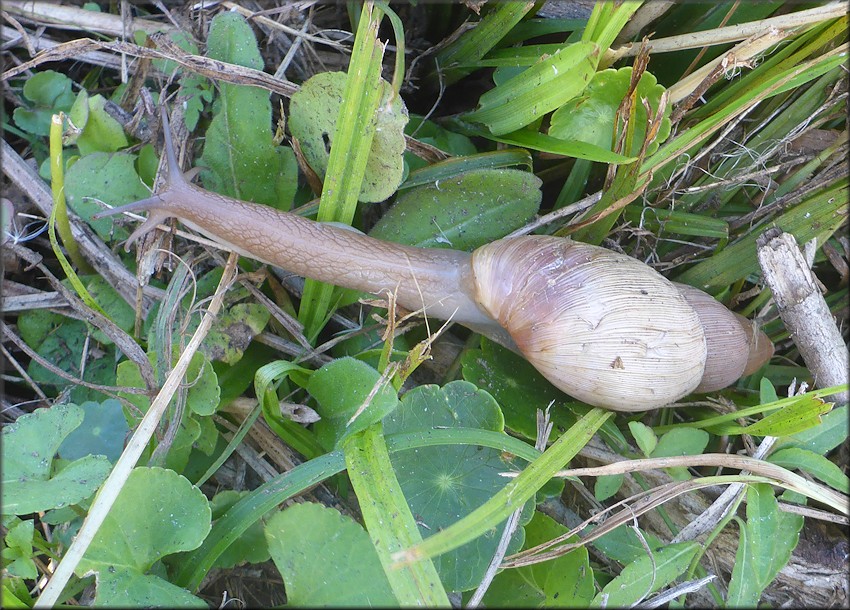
760 346
726 342
601 326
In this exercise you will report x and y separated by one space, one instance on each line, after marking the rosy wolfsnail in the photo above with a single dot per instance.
601 326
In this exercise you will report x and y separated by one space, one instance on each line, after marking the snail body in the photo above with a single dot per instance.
601 326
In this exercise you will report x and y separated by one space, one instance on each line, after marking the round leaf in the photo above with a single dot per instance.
590 116
463 213
157 513
444 484
326 559
313 113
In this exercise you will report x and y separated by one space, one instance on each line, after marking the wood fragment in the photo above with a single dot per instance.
804 310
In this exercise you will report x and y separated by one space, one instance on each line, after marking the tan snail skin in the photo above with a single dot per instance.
603 327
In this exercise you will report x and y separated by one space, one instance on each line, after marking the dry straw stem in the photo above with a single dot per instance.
739 57
13 37
110 489
803 310
780 475
725 502
73 18
733 33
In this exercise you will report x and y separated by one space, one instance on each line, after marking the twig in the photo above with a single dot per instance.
723 504
804 310
578 206
67 17
104 262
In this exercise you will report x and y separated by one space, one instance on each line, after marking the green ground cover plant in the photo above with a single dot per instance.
183 426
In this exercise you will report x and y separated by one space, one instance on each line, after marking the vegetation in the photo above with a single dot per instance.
184 428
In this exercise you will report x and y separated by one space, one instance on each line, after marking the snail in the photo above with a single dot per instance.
601 326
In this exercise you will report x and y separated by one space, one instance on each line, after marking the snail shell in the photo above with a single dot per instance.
734 349
601 326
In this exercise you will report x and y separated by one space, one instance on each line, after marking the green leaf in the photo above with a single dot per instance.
591 116
517 387
796 417
429 132
233 331
442 484
515 493
100 132
823 438
251 545
681 441
764 547
49 93
567 148
118 310
157 513
314 110
464 212
606 486
126 588
18 550
239 155
65 347
202 399
564 582
343 386
107 178
498 21
538 90
455 166
646 575
310 544
295 435
15 594
197 564
29 445
814 464
623 545
103 432
36 324
644 437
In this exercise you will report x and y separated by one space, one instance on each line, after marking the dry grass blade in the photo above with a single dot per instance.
733 33
110 489
781 475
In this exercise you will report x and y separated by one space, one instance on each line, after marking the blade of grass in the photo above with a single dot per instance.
819 216
388 519
352 142
290 484
473 45
772 406
607 19
781 81
516 493
398 32
59 218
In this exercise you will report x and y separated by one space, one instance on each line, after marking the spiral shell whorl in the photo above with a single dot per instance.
600 326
